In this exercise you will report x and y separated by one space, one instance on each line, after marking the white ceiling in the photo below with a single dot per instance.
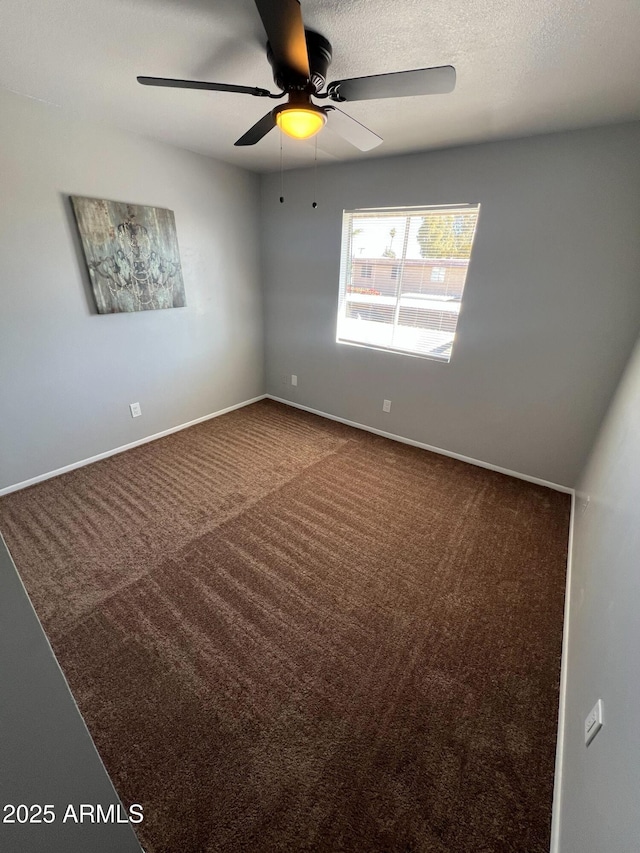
523 68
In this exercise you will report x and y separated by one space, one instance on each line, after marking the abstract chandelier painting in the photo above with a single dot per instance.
132 255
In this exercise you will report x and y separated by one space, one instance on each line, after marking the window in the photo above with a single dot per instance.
419 258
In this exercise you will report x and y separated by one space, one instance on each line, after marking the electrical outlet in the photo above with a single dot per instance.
593 722
136 411
386 405
294 379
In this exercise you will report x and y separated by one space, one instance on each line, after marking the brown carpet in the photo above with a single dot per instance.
288 635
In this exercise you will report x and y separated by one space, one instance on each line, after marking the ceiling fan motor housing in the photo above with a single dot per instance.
320 53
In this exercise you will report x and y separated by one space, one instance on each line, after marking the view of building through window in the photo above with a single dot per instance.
402 275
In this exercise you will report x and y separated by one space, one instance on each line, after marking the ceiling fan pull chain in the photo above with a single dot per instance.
281 173
315 175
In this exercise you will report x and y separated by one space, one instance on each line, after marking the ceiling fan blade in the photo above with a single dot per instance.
198 84
351 130
422 81
259 129
282 20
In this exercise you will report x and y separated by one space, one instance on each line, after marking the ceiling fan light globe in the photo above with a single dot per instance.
300 122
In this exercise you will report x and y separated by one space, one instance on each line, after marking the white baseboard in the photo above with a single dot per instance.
555 486
82 462
562 704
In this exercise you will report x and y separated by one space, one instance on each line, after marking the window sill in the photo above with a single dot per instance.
428 356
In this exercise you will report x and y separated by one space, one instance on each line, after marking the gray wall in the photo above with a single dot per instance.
549 316
67 375
46 753
599 792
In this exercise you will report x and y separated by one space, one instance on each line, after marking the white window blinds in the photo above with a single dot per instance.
402 275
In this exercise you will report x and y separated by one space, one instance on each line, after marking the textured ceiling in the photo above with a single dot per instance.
522 68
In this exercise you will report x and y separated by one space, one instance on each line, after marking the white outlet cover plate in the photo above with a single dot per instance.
294 379
386 405
593 722
136 411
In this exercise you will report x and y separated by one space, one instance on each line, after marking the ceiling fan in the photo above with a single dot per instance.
300 58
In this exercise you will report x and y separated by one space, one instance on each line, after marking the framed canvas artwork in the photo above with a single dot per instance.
131 253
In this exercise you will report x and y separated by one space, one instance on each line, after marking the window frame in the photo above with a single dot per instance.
347 258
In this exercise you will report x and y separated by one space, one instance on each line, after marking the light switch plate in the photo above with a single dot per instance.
593 722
